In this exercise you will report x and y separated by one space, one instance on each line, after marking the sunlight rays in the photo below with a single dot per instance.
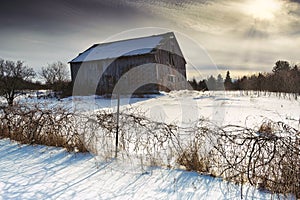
262 9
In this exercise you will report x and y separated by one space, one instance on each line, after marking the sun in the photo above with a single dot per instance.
262 9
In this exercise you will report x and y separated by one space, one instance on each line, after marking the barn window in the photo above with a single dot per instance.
172 78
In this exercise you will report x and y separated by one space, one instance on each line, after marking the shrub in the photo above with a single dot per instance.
41 124
268 158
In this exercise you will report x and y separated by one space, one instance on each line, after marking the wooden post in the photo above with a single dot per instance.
242 182
117 131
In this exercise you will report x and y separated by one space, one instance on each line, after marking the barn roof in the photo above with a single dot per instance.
130 47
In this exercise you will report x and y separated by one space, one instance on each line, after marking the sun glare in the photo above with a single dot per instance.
262 9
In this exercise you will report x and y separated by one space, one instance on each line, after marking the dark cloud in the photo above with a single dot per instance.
297 1
296 11
178 3
60 14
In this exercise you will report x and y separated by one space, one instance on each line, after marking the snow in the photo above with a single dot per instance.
39 172
130 47
222 108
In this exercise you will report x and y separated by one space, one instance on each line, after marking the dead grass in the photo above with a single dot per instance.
37 124
192 162
268 158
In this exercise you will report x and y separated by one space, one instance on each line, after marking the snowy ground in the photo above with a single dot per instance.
222 108
37 172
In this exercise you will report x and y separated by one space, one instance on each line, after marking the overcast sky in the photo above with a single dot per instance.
243 36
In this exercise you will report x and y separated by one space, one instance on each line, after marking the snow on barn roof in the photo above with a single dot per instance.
130 47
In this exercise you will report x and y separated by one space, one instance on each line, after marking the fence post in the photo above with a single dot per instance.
117 127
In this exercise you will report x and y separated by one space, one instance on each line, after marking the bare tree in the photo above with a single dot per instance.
55 73
14 76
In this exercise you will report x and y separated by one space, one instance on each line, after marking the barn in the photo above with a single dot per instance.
138 65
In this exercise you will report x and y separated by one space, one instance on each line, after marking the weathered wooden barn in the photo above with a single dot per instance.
139 65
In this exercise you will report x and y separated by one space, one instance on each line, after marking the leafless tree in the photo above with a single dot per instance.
14 77
55 73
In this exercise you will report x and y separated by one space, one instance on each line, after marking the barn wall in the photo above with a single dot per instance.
140 79
170 54
174 61
121 66
171 66
170 79
86 75
101 76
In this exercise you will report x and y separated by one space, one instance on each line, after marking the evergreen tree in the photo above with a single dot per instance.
220 83
228 82
211 83
281 66
194 84
202 85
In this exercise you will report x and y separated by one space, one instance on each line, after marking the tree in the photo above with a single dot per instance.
211 83
220 83
295 68
14 77
194 84
55 73
281 66
228 82
202 86
260 81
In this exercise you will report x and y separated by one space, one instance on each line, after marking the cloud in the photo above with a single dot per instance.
63 16
234 38
297 1
45 31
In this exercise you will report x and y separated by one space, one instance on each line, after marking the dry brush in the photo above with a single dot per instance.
41 124
268 158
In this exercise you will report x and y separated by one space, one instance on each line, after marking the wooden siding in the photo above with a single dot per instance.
101 76
164 69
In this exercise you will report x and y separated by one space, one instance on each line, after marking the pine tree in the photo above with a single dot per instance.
228 82
194 84
211 83
220 83
281 65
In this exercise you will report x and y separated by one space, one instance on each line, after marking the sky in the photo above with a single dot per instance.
242 36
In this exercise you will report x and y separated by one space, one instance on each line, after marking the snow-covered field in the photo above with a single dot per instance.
222 108
38 172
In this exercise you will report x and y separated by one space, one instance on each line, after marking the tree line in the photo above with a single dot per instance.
15 77
283 78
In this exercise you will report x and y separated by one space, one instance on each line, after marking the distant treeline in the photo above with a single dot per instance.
283 78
